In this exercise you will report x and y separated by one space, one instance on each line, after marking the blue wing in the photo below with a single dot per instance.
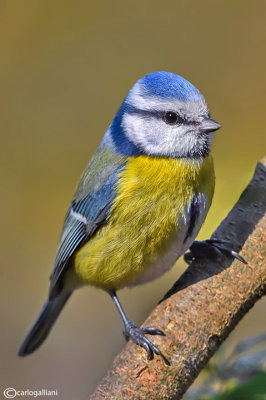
88 211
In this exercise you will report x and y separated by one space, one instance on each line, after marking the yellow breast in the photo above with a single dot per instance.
152 193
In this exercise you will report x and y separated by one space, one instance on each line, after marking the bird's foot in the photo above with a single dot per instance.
211 248
137 335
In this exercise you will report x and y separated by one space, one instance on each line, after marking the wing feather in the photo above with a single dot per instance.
86 214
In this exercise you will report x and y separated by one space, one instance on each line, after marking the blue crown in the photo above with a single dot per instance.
169 85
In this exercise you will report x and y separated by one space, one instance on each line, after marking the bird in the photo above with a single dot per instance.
140 202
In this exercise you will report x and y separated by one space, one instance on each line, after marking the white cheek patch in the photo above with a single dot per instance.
149 133
155 137
134 129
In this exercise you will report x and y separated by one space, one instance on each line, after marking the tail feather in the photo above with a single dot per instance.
44 323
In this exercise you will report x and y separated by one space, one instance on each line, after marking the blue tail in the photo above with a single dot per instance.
44 323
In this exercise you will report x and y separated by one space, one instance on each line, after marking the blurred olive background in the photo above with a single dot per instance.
65 66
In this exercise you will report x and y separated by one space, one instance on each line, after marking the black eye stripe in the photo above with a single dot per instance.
157 114
148 113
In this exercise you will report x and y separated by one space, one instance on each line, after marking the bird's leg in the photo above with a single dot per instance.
137 335
211 248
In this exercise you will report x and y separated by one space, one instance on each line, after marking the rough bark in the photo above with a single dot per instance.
200 310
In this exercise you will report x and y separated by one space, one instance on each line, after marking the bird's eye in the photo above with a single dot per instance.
171 118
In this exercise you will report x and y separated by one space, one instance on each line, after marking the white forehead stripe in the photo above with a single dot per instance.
139 99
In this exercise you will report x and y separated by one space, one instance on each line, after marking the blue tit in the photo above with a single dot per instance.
139 204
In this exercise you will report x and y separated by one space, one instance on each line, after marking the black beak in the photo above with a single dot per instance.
209 125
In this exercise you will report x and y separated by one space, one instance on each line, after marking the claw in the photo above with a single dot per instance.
137 335
231 252
239 257
148 349
157 351
219 245
152 331
166 361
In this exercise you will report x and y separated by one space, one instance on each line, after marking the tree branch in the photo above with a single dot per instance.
200 310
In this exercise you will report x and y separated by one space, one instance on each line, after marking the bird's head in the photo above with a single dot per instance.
163 115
